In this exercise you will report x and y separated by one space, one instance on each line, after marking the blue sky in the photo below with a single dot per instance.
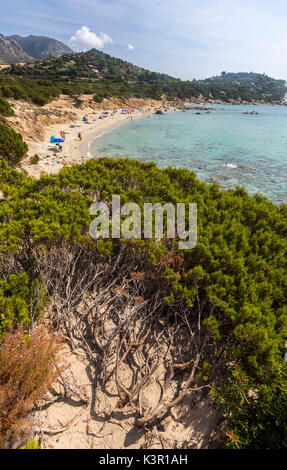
184 38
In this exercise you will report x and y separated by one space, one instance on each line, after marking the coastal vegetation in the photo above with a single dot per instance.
12 147
5 107
255 85
217 313
104 76
26 370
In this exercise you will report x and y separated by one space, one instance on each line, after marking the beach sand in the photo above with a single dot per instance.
74 150
37 125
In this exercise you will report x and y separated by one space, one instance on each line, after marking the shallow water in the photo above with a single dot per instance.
225 145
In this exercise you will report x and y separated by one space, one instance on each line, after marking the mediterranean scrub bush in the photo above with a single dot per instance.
27 367
12 147
35 159
7 92
21 299
255 415
5 108
235 277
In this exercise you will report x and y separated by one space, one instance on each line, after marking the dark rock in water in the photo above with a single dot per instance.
159 111
252 112
198 108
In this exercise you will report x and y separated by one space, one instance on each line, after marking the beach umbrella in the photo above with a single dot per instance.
55 140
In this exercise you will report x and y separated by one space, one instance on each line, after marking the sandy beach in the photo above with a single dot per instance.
104 126
38 126
74 150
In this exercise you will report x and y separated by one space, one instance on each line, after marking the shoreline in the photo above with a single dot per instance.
74 150
61 115
85 147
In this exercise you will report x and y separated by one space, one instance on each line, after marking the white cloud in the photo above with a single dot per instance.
84 39
131 47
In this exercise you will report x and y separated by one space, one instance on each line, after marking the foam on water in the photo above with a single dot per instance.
231 165
226 145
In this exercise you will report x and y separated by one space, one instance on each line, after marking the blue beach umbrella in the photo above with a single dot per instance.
55 140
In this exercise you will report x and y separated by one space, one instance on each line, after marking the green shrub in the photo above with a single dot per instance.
7 92
18 92
12 147
35 159
255 415
98 98
5 108
20 298
39 99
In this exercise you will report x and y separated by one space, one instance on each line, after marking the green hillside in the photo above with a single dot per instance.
257 84
104 76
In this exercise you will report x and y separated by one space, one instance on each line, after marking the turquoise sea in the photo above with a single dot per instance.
224 145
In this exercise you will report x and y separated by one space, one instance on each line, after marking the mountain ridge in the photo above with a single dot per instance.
11 52
106 76
15 48
41 47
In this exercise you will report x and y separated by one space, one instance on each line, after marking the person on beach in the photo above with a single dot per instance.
79 136
63 134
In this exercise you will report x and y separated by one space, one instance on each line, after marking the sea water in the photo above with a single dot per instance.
222 145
